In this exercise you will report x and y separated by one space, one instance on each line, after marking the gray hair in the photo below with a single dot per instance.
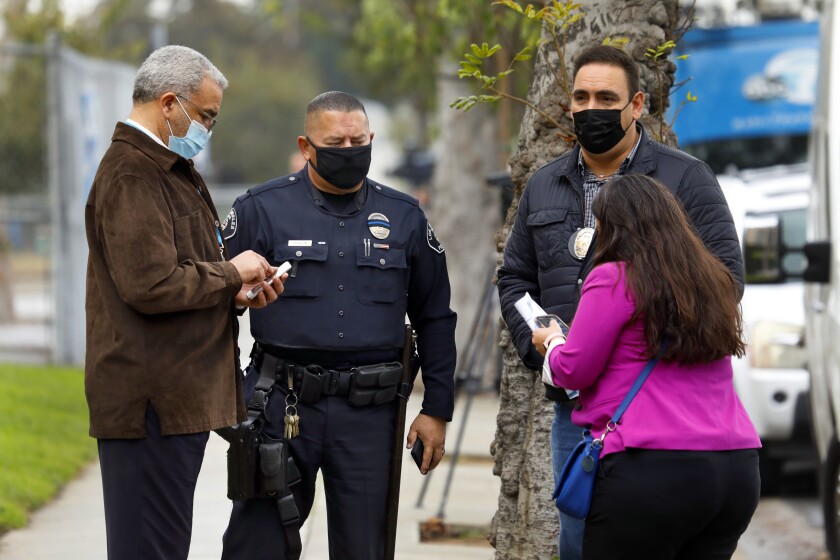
174 68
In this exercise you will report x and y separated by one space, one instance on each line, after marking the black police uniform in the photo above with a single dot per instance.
357 271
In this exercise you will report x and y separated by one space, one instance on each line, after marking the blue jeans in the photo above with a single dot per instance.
564 437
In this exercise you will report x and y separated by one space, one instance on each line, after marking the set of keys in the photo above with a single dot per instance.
291 420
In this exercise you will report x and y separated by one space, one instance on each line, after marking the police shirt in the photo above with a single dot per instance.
355 275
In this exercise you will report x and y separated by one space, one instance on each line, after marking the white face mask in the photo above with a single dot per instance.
196 138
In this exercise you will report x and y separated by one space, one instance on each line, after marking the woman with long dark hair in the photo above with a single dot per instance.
678 478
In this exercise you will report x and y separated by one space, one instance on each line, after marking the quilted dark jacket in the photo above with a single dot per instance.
537 259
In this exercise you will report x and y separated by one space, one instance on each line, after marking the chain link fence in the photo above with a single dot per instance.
26 276
57 113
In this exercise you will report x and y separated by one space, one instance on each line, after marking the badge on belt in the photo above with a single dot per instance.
579 242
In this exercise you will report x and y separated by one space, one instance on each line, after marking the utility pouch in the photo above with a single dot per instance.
242 459
273 462
311 384
374 384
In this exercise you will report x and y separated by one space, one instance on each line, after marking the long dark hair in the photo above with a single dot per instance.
683 293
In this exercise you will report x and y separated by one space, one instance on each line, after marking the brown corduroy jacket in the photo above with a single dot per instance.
161 323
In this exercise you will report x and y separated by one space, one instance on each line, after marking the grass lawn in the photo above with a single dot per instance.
43 436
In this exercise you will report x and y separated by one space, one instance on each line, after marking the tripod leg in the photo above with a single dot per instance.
483 350
473 343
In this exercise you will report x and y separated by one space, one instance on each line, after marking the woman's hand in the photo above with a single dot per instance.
540 336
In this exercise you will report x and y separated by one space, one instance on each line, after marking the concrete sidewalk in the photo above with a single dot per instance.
73 525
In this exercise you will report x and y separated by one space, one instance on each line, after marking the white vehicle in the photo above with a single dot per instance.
822 277
771 379
757 145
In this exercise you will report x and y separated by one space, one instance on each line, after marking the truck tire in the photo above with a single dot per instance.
830 482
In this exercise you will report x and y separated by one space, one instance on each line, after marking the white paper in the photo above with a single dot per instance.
529 310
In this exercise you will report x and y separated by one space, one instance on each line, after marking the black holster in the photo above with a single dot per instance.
258 465
242 459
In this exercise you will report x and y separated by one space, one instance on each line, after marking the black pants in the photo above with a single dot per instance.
671 505
351 447
149 486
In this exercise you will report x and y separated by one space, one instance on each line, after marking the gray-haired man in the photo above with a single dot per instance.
161 369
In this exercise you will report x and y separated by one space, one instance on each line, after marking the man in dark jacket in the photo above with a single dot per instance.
547 254
161 368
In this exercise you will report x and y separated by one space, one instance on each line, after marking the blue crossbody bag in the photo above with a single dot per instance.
577 479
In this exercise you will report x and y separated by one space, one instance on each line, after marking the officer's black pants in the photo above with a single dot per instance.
671 505
351 447
149 485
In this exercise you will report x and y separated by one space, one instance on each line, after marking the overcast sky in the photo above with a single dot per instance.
75 8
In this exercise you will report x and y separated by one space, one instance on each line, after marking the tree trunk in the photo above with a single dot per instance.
464 210
526 523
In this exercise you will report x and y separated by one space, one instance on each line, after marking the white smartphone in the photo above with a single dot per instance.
285 267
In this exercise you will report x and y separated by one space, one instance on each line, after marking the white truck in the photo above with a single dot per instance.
771 379
756 86
822 276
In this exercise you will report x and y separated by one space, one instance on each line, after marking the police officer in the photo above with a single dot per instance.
363 256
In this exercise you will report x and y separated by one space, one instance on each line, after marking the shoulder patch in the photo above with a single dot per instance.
432 239
230 224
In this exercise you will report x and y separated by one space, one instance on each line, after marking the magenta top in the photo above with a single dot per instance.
684 407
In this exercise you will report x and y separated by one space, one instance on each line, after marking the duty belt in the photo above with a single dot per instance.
362 385
335 382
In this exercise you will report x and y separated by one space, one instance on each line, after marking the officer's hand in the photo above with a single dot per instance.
270 292
252 267
432 432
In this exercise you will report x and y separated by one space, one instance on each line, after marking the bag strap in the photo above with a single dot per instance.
632 393
635 388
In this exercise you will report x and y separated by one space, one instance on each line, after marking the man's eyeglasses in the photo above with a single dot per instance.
206 120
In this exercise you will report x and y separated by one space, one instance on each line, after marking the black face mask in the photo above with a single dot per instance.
344 168
599 130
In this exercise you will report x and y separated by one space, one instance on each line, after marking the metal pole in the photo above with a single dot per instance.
60 346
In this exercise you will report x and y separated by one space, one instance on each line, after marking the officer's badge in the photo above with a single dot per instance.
580 241
379 225
432 239
229 225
